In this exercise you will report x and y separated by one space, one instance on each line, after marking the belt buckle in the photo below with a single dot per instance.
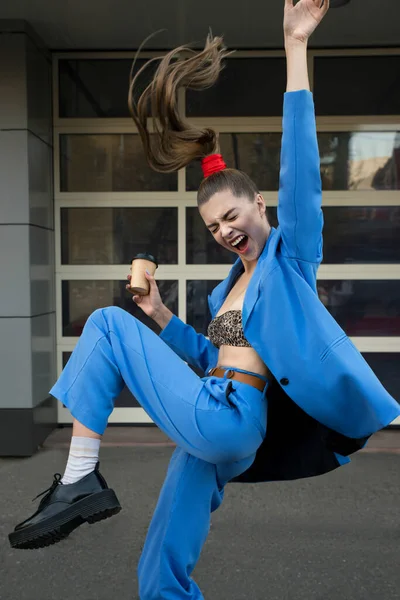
212 371
230 374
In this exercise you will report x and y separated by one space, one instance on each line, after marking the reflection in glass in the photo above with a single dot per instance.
97 88
257 154
369 308
361 160
365 234
370 83
81 297
113 162
197 311
102 236
386 367
247 87
124 400
201 248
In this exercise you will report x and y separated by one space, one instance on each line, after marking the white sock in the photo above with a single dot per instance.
82 458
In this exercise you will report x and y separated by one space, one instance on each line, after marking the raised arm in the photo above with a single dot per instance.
299 200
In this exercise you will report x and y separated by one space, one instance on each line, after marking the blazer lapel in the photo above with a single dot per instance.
250 298
265 264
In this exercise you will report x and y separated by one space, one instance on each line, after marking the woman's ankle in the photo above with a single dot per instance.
79 430
82 459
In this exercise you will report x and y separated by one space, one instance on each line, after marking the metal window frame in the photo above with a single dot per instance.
182 199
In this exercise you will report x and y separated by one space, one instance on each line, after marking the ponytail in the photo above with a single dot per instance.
175 142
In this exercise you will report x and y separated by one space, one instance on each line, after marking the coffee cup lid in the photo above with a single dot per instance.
145 256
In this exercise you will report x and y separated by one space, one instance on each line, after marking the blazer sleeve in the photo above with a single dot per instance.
300 194
194 348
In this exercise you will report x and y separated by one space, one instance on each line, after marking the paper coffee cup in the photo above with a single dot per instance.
141 263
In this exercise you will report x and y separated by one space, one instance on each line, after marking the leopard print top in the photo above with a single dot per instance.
227 330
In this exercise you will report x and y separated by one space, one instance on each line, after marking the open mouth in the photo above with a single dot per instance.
240 243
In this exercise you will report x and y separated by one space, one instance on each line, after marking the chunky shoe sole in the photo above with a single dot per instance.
92 509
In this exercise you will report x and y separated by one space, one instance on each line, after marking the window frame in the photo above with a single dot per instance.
182 199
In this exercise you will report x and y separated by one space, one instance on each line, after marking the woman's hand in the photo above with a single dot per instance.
302 18
151 304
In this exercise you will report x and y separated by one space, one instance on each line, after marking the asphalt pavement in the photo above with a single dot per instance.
334 537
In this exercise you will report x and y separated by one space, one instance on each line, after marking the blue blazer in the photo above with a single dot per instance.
326 401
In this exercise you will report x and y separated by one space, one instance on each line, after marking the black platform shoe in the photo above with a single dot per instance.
64 508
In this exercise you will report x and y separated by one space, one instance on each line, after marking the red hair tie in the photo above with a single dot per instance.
212 163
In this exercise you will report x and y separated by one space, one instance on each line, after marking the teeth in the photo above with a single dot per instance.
239 239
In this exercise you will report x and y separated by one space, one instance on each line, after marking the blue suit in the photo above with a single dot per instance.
322 379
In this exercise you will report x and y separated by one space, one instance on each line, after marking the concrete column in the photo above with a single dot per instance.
27 299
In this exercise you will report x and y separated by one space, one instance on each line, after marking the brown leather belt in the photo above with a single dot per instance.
238 376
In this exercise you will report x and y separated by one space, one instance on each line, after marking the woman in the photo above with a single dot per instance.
270 335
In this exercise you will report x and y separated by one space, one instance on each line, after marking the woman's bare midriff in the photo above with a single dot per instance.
242 358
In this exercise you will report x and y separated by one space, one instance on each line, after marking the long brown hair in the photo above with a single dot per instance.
176 142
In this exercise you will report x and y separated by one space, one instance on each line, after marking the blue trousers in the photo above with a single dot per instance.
217 427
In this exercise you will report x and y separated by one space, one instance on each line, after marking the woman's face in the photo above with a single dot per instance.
237 224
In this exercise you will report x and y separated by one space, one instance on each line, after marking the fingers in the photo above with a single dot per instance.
150 278
325 6
322 4
288 3
136 298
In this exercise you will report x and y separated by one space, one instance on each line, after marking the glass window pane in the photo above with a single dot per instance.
81 297
109 163
386 367
363 307
124 400
102 236
97 88
360 160
247 87
201 248
364 160
367 234
357 85
257 154
197 311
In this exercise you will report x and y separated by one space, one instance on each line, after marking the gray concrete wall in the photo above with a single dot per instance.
27 299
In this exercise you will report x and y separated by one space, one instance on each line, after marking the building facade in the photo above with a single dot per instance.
78 201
